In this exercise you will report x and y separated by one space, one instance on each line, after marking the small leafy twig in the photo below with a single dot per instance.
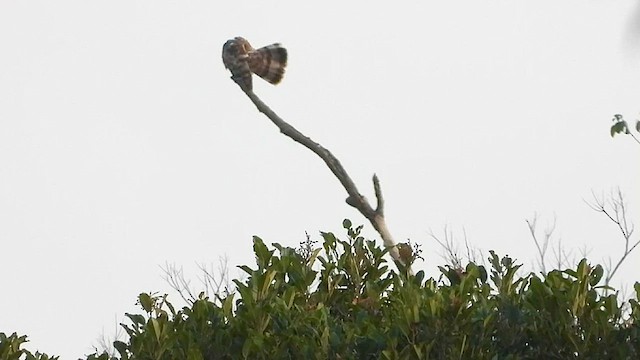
621 126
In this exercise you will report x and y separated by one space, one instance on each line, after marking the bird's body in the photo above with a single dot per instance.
242 59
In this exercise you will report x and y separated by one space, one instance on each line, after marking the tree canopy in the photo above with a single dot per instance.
341 300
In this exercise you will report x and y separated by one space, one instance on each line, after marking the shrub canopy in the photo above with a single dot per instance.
342 301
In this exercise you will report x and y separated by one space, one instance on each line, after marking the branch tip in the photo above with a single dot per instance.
379 198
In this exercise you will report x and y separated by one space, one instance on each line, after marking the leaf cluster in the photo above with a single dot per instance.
10 349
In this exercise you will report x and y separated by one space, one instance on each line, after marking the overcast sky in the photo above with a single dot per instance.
124 145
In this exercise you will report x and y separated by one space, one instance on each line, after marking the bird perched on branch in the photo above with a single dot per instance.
241 59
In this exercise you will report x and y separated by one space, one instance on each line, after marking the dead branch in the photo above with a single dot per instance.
451 252
174 276
541 246
474 254
615 210
216 283
449 248
355 199
564 258
105 342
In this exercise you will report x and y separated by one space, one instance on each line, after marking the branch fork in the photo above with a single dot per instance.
354 199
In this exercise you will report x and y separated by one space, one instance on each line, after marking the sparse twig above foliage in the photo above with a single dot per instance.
216 282
451 253
563 258
615 209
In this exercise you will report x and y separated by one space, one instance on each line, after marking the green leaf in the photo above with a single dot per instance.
263 255
136 318
313 256
157 328
596 275
583 268
620 127
146 302
227 306
194 354
267 279
246 348
122 349
246 269
483 274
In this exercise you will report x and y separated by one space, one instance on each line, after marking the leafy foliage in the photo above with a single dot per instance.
10 349
621 126
341 301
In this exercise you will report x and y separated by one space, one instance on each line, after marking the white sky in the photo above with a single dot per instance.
124 145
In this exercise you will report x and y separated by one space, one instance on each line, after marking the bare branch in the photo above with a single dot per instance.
474 254
105 342
634 137
450 249
451 253
541 249
174 276
542 246
379 198
559 255
563 258
216 285
615 210
355 199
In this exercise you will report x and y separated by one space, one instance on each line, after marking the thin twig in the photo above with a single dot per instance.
175 278
541 251
634 138
474 254
449 247
542 248
618 217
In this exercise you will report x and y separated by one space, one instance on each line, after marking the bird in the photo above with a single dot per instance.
242 59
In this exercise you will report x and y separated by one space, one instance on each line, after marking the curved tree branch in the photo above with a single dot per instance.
355 199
